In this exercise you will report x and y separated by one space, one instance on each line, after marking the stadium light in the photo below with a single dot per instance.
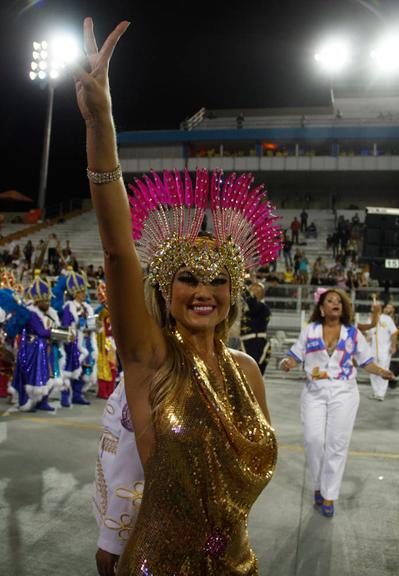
47 66
386 55
53 55
333 56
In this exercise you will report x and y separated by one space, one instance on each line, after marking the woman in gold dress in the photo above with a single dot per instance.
199 410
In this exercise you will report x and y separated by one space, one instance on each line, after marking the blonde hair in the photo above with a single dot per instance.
177 368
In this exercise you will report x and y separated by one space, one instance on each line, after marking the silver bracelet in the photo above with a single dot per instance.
104 177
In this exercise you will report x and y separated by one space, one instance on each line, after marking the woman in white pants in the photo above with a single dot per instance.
328 346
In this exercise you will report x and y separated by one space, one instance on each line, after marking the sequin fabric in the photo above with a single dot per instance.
214 452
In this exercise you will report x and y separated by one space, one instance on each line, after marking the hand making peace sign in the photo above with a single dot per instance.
92 87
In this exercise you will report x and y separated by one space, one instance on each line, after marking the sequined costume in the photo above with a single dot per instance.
214 453
107 360
33 374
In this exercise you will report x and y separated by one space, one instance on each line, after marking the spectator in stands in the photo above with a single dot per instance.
16 254
53 252
295 227
303 270
67 248
100 273
28 250
74 263
355 219
330 347
335 243
39 254
297 259
311 231
287 246
289 277
304 220
262 273
351 249
91 276
66 257
240 120
319 271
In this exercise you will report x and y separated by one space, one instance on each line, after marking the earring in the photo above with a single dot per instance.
322 313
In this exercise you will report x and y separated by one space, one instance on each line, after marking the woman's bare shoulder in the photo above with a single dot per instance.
245 361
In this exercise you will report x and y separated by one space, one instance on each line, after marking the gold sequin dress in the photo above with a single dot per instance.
214 453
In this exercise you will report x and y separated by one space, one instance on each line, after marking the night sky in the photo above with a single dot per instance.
175 58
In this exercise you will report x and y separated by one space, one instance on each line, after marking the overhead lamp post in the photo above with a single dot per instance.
47 66
385 55
332 58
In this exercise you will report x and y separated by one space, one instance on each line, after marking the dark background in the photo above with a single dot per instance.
176 57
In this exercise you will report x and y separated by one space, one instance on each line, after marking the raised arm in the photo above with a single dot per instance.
138 337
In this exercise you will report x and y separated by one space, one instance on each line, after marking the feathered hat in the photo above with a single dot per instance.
167 214
39 289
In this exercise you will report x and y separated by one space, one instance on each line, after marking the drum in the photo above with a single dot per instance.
61 334
93 323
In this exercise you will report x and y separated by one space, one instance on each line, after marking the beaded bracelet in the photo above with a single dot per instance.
104 177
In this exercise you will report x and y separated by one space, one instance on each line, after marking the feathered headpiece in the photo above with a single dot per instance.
39 289
167 215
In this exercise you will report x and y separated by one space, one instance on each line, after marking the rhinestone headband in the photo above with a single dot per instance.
166 219
203 258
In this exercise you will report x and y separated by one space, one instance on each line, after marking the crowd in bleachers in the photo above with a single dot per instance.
339 267
49 255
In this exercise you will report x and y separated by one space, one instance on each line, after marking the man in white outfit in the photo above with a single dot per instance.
119 482
383 340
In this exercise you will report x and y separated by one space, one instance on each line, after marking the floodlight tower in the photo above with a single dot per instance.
332 58
385 55
47 66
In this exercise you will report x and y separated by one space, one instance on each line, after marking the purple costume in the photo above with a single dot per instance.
34 371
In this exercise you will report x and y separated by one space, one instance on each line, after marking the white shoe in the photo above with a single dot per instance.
376 397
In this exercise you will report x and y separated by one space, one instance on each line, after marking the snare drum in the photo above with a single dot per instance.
93 323
60 334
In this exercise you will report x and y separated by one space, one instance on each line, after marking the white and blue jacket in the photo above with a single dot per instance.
311 350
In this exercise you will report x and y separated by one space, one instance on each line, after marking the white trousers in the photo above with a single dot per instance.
328 410
378 384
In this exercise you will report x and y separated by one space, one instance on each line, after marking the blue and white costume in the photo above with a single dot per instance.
119 479
34 371
80 371
329 401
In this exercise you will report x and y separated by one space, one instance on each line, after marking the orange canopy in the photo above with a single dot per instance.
14 195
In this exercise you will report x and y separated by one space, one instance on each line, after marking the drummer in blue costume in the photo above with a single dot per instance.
34 370
80 368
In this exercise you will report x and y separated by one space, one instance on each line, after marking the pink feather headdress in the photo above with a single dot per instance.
167 215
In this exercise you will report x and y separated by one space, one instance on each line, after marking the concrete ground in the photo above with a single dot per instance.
46 473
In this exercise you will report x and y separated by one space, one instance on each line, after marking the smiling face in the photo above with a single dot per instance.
332 307
199 306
